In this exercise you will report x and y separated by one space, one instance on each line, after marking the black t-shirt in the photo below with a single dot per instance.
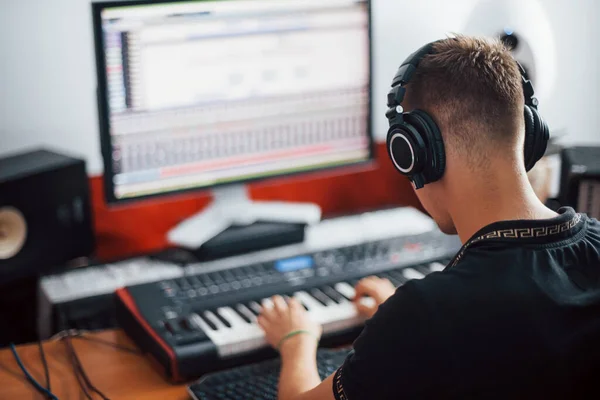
516 314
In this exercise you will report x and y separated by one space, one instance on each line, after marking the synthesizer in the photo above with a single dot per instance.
205 320
83 298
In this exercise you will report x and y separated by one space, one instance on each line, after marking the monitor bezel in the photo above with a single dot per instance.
104 120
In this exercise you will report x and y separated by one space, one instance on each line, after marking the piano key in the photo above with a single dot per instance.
210 323
221 318
398 276
337 297
423 268
245 313
436 267
391 278
410 273
233 318
367 301
254 307
321 297
267 303
306 299
216 322
203 324
345 290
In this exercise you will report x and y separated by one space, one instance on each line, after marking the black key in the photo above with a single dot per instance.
321 297
397 275
332 293
209 322
255 309
424 269
221 318
353 282
242 314
392 279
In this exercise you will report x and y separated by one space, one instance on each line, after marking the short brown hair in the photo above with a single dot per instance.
472 87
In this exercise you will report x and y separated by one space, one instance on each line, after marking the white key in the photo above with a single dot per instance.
242 309
333 317
349 291
306 299
216 321
367 302
267 303
345 289
255 306
410 273
231 316
200 323
437 267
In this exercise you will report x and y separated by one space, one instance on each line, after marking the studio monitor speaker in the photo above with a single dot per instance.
580 179
45 213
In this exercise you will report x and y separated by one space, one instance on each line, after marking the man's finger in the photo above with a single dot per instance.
279 304
365 309
295 305
262 321
366 287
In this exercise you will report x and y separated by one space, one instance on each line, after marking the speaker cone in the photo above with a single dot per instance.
13 232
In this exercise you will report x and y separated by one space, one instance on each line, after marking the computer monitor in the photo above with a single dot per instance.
201 94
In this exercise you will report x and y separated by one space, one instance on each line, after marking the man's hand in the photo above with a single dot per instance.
283 318
376 288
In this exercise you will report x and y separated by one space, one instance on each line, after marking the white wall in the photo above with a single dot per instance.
47 70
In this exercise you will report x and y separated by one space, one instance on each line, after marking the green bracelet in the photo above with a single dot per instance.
294 333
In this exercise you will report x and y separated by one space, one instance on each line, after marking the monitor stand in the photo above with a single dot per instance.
232 206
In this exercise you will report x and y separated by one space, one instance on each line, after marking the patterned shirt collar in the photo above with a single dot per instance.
564 225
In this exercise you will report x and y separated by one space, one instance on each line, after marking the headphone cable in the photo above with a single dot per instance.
45 363
29 377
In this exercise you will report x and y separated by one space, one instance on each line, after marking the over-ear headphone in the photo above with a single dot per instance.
414 141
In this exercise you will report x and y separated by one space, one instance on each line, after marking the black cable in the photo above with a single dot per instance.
30 378
45 363
82 371
107 343
76 372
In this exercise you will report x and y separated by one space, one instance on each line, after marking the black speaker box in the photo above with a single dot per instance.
580 179
45 213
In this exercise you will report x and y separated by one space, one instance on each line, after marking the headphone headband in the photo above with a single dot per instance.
414 141
411 63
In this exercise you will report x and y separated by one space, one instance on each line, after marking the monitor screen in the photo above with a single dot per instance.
196 94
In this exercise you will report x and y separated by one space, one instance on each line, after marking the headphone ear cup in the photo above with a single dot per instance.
529 138
537 135
406 149
436 163
541 136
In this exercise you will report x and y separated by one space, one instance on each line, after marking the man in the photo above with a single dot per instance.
516 316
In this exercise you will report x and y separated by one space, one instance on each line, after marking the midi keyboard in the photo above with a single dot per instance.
206 321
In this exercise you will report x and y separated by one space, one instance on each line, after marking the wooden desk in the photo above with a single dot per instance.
116 373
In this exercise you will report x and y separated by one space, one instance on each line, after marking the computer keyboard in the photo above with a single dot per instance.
257 381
